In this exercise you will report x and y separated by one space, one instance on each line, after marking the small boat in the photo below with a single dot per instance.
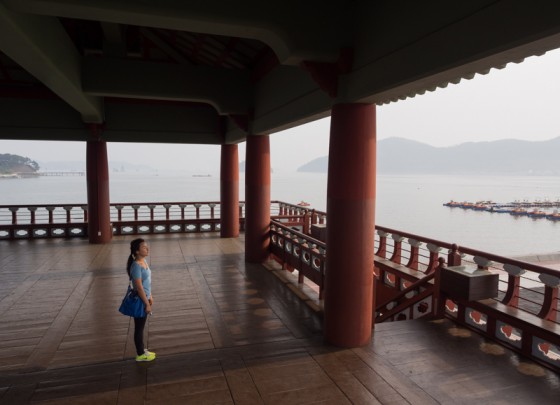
555 216
518 211
480 207
303 204
536 213
452 203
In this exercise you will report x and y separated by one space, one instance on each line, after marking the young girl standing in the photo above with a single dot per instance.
141 275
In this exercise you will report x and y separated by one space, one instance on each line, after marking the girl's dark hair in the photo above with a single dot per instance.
134 246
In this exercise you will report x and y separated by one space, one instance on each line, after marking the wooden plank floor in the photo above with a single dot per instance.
225 332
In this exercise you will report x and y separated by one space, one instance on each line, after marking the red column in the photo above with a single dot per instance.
257 198
97 171
229 192
350 225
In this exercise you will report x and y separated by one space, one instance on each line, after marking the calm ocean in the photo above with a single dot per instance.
411 203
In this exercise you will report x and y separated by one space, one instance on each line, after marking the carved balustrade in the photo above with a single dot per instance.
43 221
300 252
524 316
70 220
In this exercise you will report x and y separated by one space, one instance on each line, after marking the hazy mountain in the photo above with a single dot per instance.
399 156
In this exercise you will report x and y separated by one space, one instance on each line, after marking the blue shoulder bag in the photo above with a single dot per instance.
131 304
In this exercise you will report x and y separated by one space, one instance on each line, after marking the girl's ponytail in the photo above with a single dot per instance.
134 247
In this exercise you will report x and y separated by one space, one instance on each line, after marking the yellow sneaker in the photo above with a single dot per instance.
146 357
149 353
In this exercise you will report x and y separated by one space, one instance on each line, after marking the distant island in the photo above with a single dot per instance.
505 157
15 165
80 165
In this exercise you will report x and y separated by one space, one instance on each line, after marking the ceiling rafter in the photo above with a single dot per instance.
198 45
155 37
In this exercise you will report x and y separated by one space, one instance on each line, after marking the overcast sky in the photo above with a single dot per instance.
520 102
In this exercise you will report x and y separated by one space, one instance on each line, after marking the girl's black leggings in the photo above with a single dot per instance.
139 324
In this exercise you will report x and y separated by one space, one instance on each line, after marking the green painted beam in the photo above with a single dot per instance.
227 90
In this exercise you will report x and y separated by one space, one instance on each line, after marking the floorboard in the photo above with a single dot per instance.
225 332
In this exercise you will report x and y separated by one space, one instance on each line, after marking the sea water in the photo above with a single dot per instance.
410 203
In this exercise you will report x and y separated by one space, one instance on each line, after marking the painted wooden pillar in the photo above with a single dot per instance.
229 192
97 172
350 225
257 198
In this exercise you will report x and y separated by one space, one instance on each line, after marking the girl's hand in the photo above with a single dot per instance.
151 301
148 308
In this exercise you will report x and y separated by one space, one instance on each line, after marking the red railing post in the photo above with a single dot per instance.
119 212
438 299
197 207
434 256
68 209
167 206
212 223
454 257
50 210
397 251
135 207
511 298
151 207
32 211
550 302
14 211
306 224
382 250
182 206
414 254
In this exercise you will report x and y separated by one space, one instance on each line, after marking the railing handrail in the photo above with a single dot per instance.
404 305
414 236
474 252
300 234
424 280
463 249
159 203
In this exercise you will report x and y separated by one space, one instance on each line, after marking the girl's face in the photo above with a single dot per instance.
143 250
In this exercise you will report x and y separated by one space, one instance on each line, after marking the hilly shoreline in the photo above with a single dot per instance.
504 157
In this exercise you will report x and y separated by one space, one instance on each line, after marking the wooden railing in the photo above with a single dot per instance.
524 316
70 220
43 221
298 251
